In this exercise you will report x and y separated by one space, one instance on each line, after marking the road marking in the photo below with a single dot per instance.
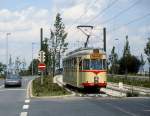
1 86
122 110
28 91
143 105
146 110
13 89
23 114
25 107
27 101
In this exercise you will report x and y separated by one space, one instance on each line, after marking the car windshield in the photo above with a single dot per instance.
13 77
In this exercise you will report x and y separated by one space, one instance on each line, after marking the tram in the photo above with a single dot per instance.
85 68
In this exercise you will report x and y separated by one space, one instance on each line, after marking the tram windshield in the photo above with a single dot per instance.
94 64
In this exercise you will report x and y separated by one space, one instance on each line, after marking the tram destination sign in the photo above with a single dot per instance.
95 56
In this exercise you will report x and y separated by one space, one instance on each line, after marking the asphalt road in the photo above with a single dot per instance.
12 99
74 106
1 82
13 102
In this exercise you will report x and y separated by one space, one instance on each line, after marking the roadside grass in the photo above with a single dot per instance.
2 76
48 88
141 83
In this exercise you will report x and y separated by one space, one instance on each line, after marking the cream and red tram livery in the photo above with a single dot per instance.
85 67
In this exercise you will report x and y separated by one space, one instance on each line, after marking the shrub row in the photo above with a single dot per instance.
48 88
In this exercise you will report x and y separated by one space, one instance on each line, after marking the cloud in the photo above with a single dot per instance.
24 26
74 12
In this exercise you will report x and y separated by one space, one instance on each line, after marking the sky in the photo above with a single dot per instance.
24 18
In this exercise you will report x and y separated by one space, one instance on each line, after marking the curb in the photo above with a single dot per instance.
29 90
30 95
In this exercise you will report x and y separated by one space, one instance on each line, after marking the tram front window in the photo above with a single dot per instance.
96 65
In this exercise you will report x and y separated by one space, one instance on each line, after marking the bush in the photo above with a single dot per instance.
48 88
132 94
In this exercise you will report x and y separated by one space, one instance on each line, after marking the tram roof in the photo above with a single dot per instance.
82 51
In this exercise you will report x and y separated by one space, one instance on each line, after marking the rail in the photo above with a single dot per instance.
127 88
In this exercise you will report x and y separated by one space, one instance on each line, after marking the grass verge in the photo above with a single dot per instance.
141 83
48 88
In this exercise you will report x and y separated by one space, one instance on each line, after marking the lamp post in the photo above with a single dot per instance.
32 57
149 63
7 34
117 45
117 50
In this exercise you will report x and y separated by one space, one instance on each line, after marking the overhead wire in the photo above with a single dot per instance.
102 11
121 12
132 21
86 10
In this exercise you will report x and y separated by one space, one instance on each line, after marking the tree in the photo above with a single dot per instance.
59 45
142 64
126 51
2 68
128 63
131 63
147 52
17 65
35 66
113 58
60 36
48 59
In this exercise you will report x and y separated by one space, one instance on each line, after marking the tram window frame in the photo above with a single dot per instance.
74 64
100 61
81 65
104 64
87 68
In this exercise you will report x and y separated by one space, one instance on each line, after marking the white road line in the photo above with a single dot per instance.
25 107
28 89
1 86
146 110
122 110
27 101
23 114
143 105
12 89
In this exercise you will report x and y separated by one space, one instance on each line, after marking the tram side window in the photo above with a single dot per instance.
104 64
80 65
86 64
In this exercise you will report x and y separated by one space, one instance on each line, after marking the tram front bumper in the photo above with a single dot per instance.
94 84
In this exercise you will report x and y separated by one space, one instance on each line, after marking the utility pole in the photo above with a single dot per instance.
126 55
32 57
41 38
7 34
104 37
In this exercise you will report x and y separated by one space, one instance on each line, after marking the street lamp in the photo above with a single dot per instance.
32 57
32 65
117 45
7 34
